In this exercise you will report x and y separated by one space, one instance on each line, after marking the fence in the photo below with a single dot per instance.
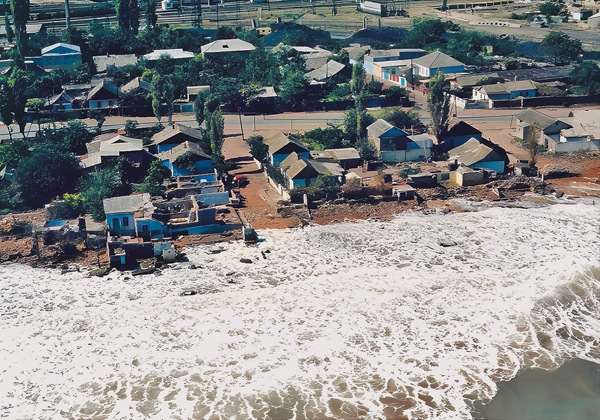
547 101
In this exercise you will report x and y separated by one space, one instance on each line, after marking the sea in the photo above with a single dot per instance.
422 317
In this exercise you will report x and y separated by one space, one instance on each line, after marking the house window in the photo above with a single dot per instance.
116 223
125 221
98 104
144 228
110 103
526 94
445 177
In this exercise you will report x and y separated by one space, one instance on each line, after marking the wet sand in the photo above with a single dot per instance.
571 392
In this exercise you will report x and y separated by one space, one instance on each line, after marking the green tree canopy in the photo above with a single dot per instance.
561 47
439 105
20 12
45 174
153 183
586 73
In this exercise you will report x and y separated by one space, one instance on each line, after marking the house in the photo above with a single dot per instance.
469 81
224 46
107 147
136 215
317 58
394 145
327 71
7 67
551 127
356 52
281 146
475 154
59 56
186 159
582 136
582 14
103 62
430 64
505 91
176 54
346 157
381 56
173 136
62 101
404 192
301 172
31 28
136 83
103 95
121 213
192 91
459 132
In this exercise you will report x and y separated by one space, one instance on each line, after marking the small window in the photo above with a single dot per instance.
116 223
110 103
98 104
144 228
445 177
125 221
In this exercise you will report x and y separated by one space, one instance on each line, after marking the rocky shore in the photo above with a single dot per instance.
18 244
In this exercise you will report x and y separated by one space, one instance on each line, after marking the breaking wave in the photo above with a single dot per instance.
354 320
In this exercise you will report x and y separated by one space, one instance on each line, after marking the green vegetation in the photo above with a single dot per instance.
439 105
586 74
561 47
153 183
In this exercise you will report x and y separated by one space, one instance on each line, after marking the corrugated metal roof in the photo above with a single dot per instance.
280 140
121 60
127 204
174 130
436 60
135 84
379 127
175 53
48 49
181 149
331 68
227 45
531 116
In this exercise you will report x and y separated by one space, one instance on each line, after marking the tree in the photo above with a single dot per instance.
258 149
293 85
46 174
128 15
101 184
199 107
20 12
402 119
20 81
216 132
6 105
357 85
351 124
162 91
586 73
9 30
550 8
153 183
534 131
561 47
366 149
149 9
99 117
439 105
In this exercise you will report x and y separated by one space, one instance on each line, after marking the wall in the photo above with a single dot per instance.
155 228
497 166
217 199
122 218
62 61
548 101
368 65
104 103
574 146
469 178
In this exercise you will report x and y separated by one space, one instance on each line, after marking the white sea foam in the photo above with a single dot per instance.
353 320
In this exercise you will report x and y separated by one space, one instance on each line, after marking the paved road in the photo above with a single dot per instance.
287 121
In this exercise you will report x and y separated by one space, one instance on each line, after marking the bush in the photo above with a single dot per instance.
69 207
